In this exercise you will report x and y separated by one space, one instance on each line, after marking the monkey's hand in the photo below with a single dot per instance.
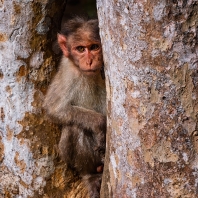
100 169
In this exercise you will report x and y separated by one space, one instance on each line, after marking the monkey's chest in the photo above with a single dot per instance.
93 99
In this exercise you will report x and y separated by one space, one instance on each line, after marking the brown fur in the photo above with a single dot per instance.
77 102
73 92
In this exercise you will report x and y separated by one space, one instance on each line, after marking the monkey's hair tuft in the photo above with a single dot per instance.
72 26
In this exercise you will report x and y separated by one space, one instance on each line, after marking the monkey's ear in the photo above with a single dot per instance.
62 41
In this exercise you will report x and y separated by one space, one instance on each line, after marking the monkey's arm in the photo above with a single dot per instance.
77 115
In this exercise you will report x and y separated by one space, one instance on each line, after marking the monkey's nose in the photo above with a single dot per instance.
89 62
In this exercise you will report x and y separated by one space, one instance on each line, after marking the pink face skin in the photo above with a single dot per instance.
86 54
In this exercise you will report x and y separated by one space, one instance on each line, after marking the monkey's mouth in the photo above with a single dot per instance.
90 71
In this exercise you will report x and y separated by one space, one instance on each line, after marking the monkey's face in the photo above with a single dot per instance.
87 55
84 51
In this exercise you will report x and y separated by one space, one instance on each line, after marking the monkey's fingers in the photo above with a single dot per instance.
100 169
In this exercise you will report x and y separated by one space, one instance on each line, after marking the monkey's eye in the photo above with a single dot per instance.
94 47
80 48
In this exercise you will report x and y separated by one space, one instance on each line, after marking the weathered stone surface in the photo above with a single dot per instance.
29 164
150 54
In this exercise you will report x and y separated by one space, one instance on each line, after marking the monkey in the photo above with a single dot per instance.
76 99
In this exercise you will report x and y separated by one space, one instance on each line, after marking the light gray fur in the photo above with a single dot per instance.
71 90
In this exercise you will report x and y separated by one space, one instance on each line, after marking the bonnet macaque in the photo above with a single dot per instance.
76 100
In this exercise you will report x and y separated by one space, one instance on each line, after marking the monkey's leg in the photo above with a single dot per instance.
80 150
93 184
66 146
77 149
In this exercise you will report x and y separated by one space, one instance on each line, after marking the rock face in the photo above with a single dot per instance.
29 164
150 54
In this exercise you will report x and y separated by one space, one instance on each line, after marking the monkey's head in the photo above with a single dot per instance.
80 42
